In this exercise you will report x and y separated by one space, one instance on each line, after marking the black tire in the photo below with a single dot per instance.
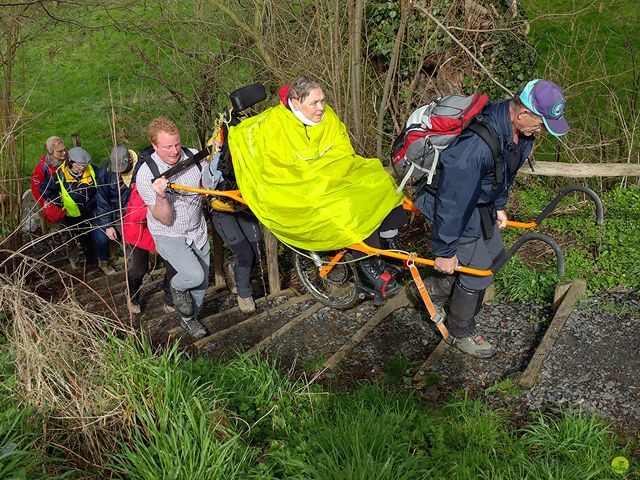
339 289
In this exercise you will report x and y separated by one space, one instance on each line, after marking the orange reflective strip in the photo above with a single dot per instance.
427 300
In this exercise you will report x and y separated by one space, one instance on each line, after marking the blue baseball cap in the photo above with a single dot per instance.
545 99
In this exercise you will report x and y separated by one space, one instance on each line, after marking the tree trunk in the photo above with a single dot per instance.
405 9
355 37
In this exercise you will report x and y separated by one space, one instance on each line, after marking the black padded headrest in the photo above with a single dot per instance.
246 97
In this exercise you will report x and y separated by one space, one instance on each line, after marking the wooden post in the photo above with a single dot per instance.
75 139
218 258
44 225
574 293
561 290
271 250
489 294
582 170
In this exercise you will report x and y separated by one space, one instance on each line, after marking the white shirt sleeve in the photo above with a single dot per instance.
211 176
143 184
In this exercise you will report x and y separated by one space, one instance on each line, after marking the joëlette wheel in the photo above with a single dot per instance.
338 289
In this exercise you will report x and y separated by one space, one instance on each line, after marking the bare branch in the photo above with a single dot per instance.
461 45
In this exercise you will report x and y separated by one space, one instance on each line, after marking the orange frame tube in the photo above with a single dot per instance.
407 204
233 194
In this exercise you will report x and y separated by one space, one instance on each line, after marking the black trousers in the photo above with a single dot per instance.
240 232
138 266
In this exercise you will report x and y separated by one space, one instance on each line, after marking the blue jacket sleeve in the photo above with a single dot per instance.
464 164
103 211
501 202
51 190
211 176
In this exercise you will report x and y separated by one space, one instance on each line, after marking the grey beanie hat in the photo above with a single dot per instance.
80 156
120 159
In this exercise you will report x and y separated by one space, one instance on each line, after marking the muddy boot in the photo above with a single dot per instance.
193 327
246 305
73 254
106 267
461 322
375 278
438 287
183 302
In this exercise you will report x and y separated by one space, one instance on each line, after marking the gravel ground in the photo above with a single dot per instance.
592 366
595 363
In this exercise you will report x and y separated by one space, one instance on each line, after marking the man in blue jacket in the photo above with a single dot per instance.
114 182
467 211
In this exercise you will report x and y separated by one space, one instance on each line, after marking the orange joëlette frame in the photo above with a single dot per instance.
360 246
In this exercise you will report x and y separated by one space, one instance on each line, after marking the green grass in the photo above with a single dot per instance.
246 420
605 256
20 428
505 388
63 81
591 50
67 85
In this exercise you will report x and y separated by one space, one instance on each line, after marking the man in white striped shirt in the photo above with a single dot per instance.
176 221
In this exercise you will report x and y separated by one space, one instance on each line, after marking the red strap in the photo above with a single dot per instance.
386 278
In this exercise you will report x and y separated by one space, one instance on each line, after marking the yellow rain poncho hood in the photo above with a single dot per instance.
305 183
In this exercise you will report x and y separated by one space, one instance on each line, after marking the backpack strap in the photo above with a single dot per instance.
152 166
145 157
489 136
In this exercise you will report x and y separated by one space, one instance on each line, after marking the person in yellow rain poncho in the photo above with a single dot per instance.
298 172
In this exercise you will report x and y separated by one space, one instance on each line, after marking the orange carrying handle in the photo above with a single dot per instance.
233 194
407 204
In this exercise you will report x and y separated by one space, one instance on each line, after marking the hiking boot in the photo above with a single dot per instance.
393 265
135 308
475 346
247 305
230 278
372 274
166 308
193 327
106 267
438 287
183 302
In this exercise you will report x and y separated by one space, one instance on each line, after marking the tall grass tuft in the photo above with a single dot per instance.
571 446
61 367
370 435
177 425
19 456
